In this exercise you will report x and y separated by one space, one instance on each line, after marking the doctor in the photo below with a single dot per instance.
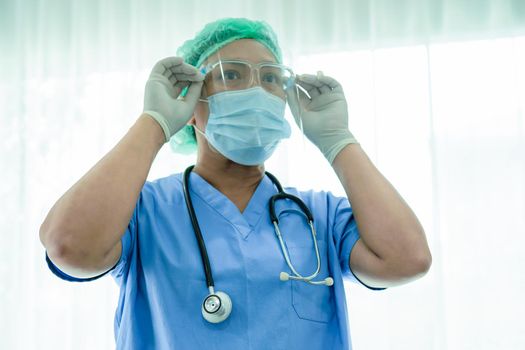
200 260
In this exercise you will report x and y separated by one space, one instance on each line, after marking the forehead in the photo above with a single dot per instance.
243 49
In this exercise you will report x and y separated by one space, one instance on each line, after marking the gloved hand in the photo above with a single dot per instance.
161 98
324 115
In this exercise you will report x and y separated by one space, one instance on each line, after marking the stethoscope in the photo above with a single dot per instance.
217 306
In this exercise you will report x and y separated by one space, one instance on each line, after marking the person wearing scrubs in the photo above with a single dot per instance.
222 256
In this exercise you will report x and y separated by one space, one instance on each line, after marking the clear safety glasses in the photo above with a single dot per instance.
226 75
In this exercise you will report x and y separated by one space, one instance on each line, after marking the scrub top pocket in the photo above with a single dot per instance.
312 302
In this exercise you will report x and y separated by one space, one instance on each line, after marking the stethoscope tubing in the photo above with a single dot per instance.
275 220
297 275
198 234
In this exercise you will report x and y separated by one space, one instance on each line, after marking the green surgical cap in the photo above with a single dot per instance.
222 32
209 40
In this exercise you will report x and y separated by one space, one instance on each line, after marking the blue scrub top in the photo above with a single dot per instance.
162 282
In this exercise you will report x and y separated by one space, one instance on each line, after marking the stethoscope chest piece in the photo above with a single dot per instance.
216 307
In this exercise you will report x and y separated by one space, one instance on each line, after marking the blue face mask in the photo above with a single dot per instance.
246 126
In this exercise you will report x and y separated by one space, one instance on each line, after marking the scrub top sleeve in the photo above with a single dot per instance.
127 240
61 274
346 235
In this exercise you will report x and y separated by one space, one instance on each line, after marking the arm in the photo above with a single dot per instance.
82 231
393 249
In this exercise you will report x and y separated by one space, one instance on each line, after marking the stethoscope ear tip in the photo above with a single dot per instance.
283 276
328 281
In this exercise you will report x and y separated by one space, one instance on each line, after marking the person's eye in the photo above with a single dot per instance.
270 78
231 75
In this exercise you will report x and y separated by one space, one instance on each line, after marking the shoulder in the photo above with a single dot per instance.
319 200
329 210
165 190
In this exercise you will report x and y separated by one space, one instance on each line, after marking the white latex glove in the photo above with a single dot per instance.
161 98
324 115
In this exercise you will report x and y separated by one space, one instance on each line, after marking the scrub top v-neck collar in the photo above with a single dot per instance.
246 221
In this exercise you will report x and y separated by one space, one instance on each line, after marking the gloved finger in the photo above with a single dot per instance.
323 83
194 92
312 90
180 75
171 61
317 89
312 80
187 77
172 79
324 88
331 82
157 80
323 101
166 64
186 69
182 84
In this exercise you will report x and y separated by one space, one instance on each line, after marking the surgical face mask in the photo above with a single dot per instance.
246 126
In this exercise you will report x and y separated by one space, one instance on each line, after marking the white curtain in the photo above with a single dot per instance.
436 93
